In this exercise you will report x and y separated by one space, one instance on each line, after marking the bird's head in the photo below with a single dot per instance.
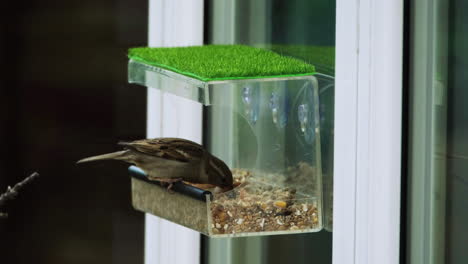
219 173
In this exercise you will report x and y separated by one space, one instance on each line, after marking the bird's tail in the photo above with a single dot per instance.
119 155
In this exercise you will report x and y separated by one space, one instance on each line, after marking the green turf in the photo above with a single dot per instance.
322 57
222 62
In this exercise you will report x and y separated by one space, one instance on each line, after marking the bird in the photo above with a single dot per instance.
170 160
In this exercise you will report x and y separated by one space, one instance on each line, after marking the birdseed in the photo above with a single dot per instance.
258 205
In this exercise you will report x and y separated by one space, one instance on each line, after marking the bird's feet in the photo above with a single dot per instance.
170 183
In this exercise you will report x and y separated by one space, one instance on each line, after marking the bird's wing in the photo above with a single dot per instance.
168 148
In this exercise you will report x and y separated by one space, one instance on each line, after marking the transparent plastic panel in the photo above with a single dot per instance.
326 113
267 131
167 81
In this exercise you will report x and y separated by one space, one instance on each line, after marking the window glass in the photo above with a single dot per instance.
437 204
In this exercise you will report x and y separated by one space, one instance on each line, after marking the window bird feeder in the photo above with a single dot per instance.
261 118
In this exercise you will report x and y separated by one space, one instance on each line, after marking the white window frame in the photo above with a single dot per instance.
368 103
368 118
172 23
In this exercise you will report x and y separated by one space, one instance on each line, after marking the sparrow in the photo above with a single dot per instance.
170 160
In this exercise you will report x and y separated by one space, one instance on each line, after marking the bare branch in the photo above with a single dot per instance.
11 193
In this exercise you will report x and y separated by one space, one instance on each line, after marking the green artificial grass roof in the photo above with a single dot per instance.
222 62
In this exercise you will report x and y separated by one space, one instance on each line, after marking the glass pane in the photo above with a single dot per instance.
305 30
457 136
437 206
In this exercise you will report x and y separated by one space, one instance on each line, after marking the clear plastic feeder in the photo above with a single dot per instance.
267 131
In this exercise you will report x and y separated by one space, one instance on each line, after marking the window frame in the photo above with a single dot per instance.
172 23
368 124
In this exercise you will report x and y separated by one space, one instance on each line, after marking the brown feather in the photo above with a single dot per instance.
173 158
168 148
